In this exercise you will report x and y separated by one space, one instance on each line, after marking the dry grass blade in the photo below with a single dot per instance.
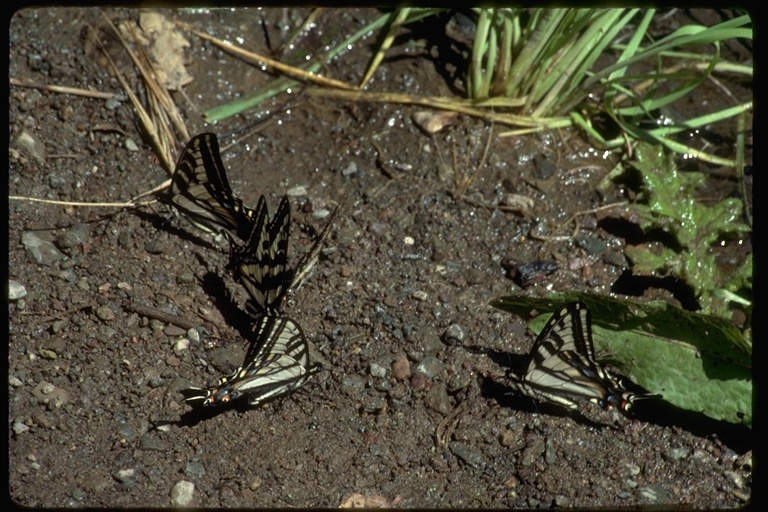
258 59
156 125
399 18
66 90
468 107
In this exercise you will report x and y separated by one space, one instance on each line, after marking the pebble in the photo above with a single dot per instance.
72 237
16 290
105 314
124 475
297 191
194 469
180 346
430 367
454 334
377 370
31 146
40 251
437 398
401 368
349 170
469 454
154 246
182 494
19 428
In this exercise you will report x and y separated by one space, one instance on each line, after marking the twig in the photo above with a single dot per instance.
259 60
68 90
59 316
129 204
574 217
160 315
448 424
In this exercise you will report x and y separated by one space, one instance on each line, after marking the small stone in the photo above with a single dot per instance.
19 428
378 371
16 291
154 246
454 334
40 251
182 494
437 398
430 367
124 475
297 191
469 454
194 469
105 314
349 170
130 145
401 368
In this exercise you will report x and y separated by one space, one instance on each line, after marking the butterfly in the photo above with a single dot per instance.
200 190
563 369
276 364
261 265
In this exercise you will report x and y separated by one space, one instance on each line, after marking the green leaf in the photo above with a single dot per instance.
669 202
697 362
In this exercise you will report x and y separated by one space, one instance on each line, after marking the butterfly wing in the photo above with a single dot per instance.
201 191
563 369
560 369
261 265
276 364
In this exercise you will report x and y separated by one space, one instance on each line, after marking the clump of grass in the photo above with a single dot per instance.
539 69
549 57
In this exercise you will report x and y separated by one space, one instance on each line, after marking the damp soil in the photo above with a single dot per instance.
409 409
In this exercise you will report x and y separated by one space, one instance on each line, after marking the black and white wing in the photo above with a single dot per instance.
562 367
261 265
276 364
200 190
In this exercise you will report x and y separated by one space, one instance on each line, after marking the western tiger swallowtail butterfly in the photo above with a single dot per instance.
201 191
261 265
563 370
276 364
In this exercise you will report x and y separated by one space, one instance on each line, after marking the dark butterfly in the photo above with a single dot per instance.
276 364
200 190
261 265
563 369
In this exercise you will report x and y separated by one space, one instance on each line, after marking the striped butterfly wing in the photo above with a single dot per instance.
276 364
261 265
201 191
563 369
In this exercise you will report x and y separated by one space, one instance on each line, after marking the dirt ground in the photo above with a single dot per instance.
404 413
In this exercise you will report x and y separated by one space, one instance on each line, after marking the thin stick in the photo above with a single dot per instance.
68 90
160 315
574 217
129 204
258 59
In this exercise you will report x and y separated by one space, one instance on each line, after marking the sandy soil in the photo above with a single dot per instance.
404 413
